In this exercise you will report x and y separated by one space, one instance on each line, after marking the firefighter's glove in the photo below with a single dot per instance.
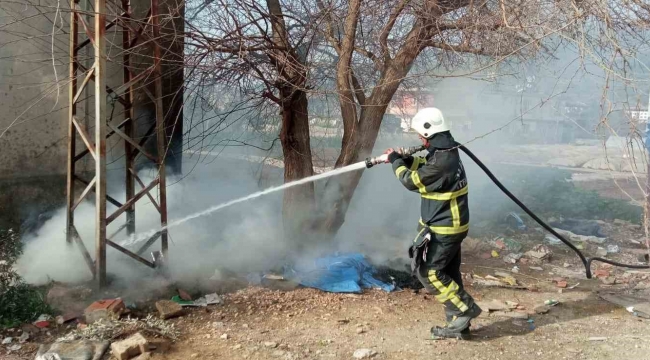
418 251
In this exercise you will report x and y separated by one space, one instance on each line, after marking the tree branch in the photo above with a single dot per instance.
383 37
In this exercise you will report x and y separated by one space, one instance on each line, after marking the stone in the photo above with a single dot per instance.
270 344
278 353
73 350
224 337
217 324
143 356
23 337
542 309
236 347
133 346
195 355
168 309
608 280
109 309
15 347
360 330
512 314
364 353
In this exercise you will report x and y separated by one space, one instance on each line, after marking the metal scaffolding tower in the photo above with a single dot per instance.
133 33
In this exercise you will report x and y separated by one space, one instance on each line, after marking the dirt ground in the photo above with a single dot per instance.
310 324
261 323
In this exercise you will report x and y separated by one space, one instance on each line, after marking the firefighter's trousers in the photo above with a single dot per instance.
440 275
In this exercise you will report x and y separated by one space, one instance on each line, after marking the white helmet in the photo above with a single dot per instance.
429 121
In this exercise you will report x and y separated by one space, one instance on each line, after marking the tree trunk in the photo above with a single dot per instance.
294 136
339 191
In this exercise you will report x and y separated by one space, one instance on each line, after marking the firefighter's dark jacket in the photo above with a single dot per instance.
441 181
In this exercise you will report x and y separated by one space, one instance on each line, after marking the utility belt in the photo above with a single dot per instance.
419 248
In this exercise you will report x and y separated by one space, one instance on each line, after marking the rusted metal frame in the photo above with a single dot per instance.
129 203
133 143
100 141
129 129
117 231
83 85
72 111
128 84
83 153
153 201
88 41
161 139
130 254
108 89
85 192
109 198
84 251
145 138
85 26
85 137
141 30
149 242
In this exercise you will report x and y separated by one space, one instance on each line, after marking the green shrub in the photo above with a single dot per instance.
19 302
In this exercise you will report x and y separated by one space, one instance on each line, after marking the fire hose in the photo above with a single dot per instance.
586 261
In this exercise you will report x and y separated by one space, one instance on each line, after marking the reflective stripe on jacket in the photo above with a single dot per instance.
441 181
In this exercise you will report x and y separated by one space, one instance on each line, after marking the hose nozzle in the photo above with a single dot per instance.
372 161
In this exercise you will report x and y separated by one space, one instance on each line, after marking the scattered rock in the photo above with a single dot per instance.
364 353
562 284
608 280
597 338
217 324
168 309
536 268
511 314
236 347
601 273
109 309
542 309
74 350
270 344
23 337
224 337
245 326
278 353
512 258
494 305
15 347
133 346
195 355
184 295
343 321
360 330
539 252
600 252
613 249
143 356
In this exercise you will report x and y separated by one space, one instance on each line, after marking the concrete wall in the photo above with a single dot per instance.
34 77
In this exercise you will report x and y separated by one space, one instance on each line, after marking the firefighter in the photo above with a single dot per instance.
440 180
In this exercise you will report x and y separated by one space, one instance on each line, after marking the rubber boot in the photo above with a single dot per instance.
457 327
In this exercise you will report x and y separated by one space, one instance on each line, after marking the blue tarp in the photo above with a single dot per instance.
346 273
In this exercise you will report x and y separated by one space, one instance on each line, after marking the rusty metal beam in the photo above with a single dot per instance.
85 192
132 201
149 242
109 198
84 252
72 111
100 141
85 152
129 129
130 254
88 41
130 140
85 137
153 201
90 35
83 85
161 138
